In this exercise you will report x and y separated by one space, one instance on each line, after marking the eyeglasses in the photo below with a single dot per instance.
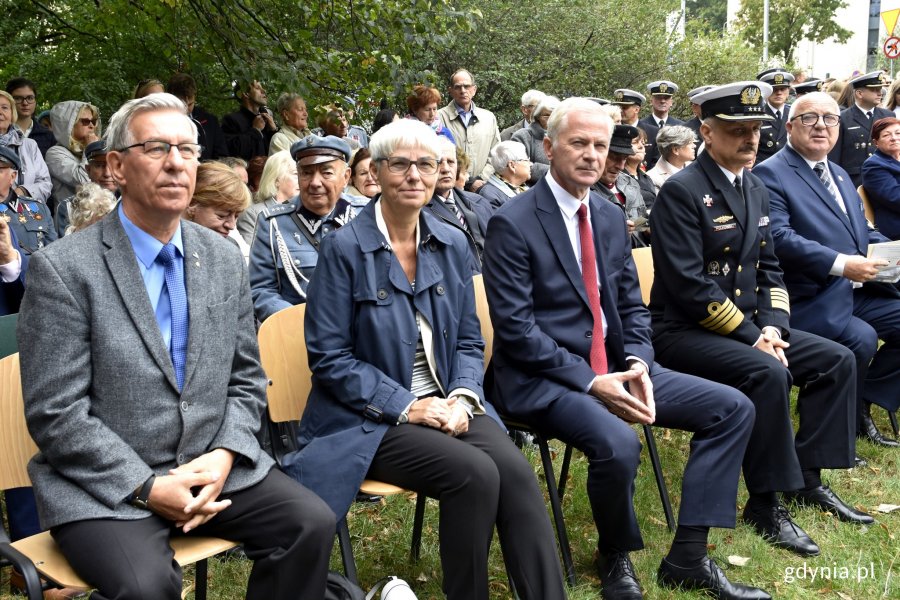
157 150
24 99
812 119
85 122
398 164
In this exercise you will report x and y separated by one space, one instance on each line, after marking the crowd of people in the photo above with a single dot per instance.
142 259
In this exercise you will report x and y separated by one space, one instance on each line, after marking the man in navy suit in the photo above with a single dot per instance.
572 356
821 240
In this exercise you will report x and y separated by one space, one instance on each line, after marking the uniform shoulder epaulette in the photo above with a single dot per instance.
280 209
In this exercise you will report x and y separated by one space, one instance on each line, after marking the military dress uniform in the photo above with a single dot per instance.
30 219
285 251
773 134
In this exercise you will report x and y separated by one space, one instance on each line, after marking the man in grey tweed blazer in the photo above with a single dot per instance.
144 432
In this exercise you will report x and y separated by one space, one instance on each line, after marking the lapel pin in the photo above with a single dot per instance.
707 200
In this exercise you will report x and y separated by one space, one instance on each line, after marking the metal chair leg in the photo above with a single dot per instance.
200 579
555 505
892 415
564 472
11 556
418 521
343 535
660 481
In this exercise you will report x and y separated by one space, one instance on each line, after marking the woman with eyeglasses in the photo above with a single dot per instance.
75 125
33 179
24 92
397 356
881 176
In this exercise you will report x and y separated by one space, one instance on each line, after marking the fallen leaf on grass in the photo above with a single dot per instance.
422 578
738 561
843 596
887 508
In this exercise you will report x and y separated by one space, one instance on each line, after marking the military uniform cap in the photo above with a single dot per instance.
95 148
662 88
776 77
9 156
600 101
621 139
698 90
625 97
810 85
875 79
314 149
739 101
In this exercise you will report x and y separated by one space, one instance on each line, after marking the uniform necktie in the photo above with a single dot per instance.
589 275
739 187
177 294
778 115
662 124
869 115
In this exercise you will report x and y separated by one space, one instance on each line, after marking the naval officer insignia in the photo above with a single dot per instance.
707 200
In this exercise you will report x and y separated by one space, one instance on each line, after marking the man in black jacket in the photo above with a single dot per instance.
249 130
211 137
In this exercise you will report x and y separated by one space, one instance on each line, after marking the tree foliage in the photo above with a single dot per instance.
713 13
790 22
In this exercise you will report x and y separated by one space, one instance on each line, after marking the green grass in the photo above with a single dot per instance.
381 537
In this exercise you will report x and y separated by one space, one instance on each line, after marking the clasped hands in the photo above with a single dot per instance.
447 414
173 496
627 394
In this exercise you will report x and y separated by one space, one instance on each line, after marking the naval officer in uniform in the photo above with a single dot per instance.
720 310
29 219
661 93
773 134
285 247
854 143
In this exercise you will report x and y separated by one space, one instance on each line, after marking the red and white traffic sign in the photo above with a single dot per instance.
892 47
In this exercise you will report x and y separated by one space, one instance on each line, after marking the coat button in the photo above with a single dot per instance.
440 290
180 459
184 405
740 268
737 292
755 312
762 244
588 334
757 289
727 249
382 294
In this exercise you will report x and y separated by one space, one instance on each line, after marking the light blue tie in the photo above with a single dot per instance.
168 256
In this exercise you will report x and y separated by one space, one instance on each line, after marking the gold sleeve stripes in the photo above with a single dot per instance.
780 300
724 317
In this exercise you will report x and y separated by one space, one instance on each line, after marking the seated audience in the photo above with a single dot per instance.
241 167
219 199
676 145
530 100
249 131
407 406
90 203
532 138
98 172
24 93
183 87
423 105
145 87
881 176
277 185
29 219
463 166
614 111
294 122
33 179
634 168
75 125
621 189
512 169
363 185
384 117
254 169
334 123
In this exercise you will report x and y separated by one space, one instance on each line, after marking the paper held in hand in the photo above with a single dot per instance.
889 251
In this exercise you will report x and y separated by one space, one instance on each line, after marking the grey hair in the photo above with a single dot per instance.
813 98
405 133
532 97
118 133
613 110
285 101
674 136
448 148
575 104
89 204
548 103
506 152
277 166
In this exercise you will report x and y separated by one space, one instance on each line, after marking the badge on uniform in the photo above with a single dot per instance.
5 218
763 221
713 268
707 200
723 219
726 269
298 238
725 227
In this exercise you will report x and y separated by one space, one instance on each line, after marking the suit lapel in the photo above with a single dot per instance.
812 180
196 283
754 212
550 217
857 219
125 272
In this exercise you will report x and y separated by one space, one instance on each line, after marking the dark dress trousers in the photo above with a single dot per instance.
854 144
810 229
650 124
717 284
881 180
540 367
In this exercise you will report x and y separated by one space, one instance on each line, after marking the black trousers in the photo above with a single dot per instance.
480 479
286 530
826 374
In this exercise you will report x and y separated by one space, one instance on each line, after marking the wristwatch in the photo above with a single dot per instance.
140 498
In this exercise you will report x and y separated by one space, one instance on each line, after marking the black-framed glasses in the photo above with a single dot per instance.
399 164
157 149
24 99
812 119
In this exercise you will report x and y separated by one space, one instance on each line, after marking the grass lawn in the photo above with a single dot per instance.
864 562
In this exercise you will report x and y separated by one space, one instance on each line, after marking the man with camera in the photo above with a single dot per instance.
249 131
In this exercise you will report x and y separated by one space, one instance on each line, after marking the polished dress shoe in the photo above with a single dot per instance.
822 497
709 577
617 578
859 461
774 523
869 431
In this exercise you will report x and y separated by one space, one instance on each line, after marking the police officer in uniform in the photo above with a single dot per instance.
854 143
630 102
661 93
810 85
30 219
95 159
285 247
773 134
720 310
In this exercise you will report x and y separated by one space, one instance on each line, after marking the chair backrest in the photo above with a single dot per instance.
8 344
484 316
282 351
643 260
16 445
867 205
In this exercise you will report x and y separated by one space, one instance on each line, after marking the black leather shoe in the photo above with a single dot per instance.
708 576
774 523
617 578
859 461
822 497
869 431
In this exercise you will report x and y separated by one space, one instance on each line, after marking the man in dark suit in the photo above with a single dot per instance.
661 93
144 390
720 310
854 144
773 134
821 240
572 356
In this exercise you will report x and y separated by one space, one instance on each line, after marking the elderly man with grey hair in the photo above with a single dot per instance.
676 145
533 138
530 100
145 391
512 169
